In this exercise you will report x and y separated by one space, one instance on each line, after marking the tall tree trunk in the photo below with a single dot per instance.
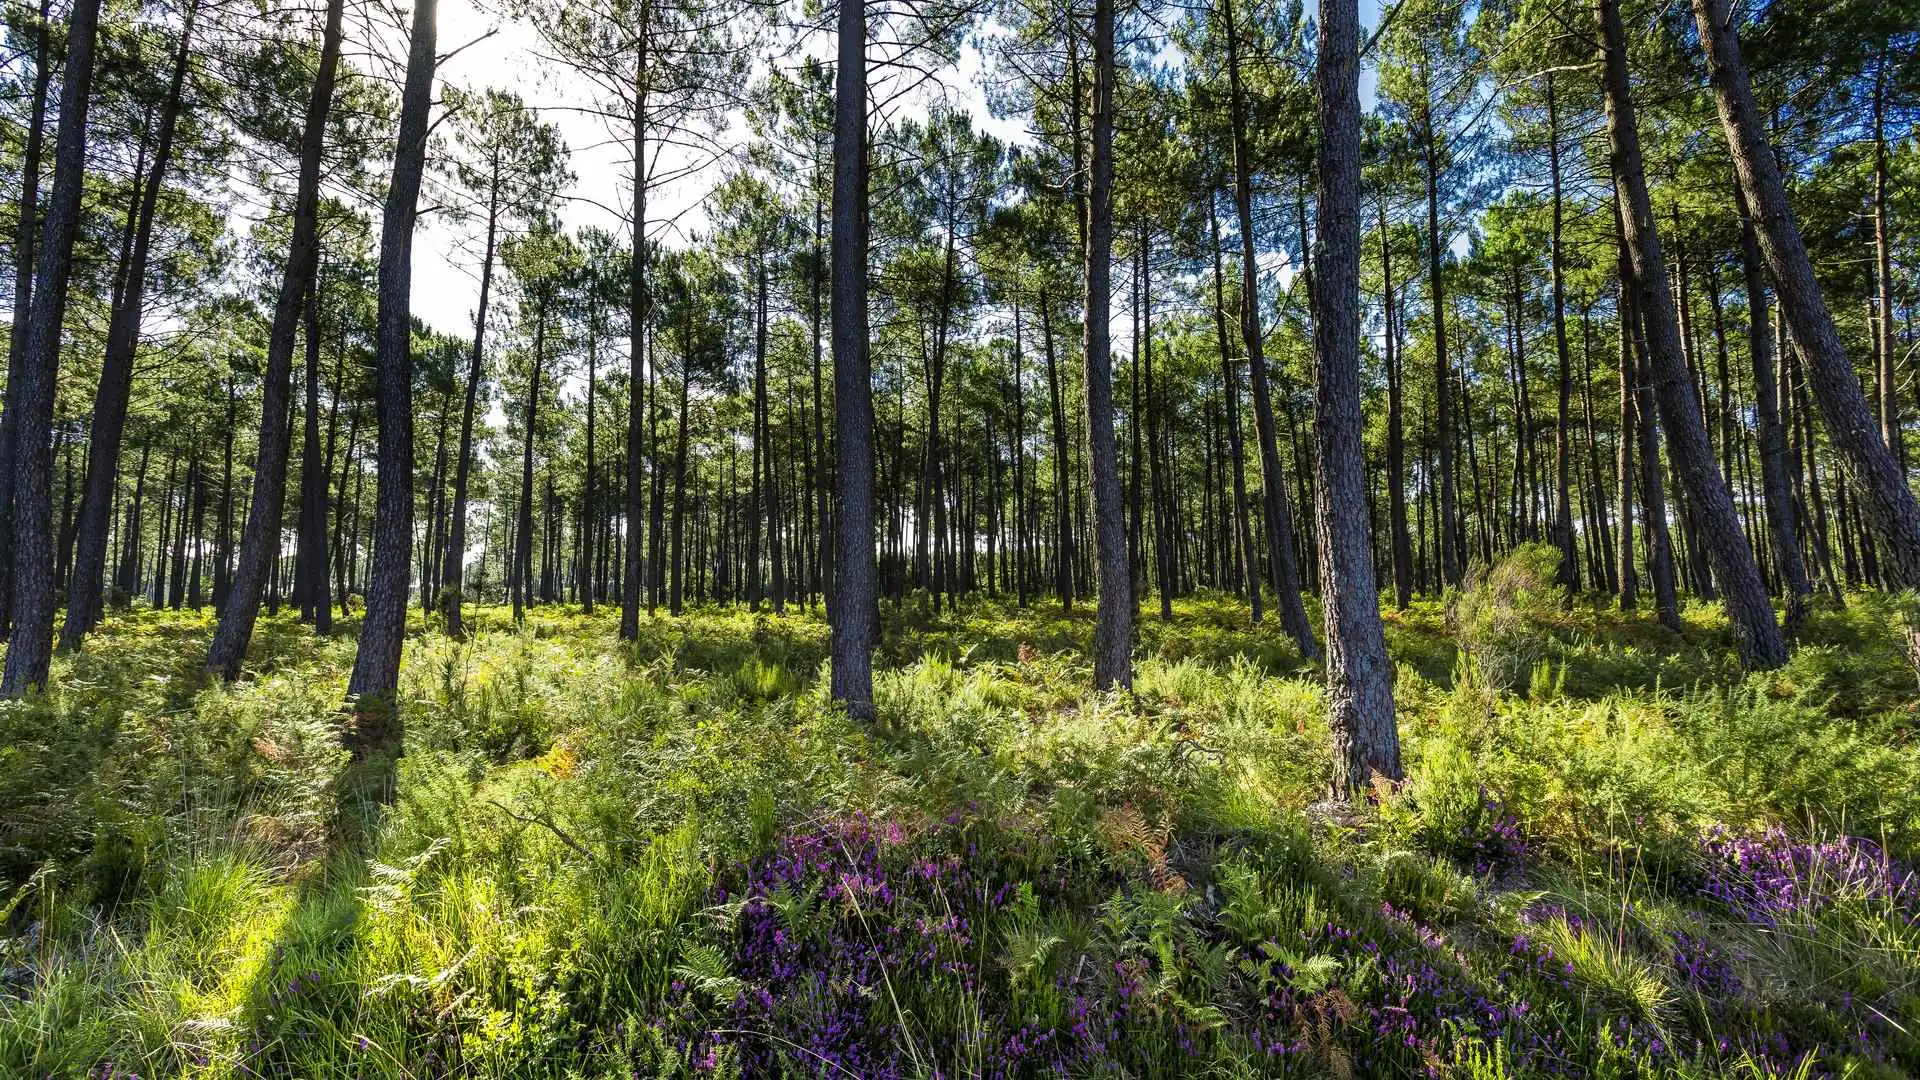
198 532
223 546
1755 629
1653 495
676 559
589 571
1162 517
1280 539
1113 618
1774 475
1563 445
344 547
157 596
757 496
1230 379
314 479
1016 450
260 539
1599 533
521 577
638 313
30 651
1396 428
376 666
1063 497
453 566
657 522
1366 741
1623 473
25 225
110 403
1889 374
1451 533
1886 502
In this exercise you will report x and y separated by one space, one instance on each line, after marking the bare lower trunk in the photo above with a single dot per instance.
854 609
313 482
1775 479
24 237
1279 519
110 403
1113 621
1249 561
453 566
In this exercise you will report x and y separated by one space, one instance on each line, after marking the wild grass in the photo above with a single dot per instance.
1619 858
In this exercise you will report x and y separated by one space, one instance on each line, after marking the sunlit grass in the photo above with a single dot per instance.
1007 874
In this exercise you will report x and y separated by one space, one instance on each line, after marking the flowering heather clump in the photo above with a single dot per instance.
1769 875
1480 833
845 932
1703 965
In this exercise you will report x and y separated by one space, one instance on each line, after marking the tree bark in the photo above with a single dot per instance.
30 649
589 581
1563 445
1280 539
521 576
376 666
1452 536
1063 496
1236 447
453 567
110 403
638 313
23 255
854 609
1775 479
313 482
1366 741
1396 478
1113 618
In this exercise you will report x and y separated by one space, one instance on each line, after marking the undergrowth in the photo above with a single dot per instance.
1614 855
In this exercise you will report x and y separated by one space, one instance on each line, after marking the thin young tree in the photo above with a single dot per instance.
260 538
513 165
1282 565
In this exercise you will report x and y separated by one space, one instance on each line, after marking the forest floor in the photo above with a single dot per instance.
1615 855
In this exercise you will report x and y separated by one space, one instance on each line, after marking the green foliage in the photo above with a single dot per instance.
556 888
1503 612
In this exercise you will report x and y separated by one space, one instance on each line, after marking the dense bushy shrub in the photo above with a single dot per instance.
1501 614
